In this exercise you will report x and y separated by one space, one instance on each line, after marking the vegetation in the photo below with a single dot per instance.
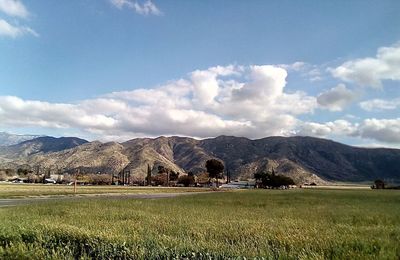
186 180
294 224
214 168
24 190
148 176
378 184
272 180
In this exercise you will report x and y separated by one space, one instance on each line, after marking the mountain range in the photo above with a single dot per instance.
305 159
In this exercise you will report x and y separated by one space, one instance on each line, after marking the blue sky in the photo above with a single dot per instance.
201 68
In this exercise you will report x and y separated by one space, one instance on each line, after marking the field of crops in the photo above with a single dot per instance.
294 224
25 190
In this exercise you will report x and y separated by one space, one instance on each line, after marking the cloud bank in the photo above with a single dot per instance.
383 130
245 101
249 101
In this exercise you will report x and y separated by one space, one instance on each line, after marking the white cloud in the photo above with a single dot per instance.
371 71
14 8
245 101
314 74
13 31
380 104
17 112
337 98
295 66
384 130
336 128
147 8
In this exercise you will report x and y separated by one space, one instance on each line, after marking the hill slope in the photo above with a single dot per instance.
305 159
45 144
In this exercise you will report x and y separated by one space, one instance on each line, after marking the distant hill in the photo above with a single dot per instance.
10 139
44 144
305 159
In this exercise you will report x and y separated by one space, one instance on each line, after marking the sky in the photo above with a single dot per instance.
112 70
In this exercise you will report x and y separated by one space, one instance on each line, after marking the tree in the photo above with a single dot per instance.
186 180
148 178
161 179
173 176
379 184
270 179
214 169
228 176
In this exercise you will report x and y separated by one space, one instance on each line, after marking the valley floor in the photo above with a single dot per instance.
317 224
23 190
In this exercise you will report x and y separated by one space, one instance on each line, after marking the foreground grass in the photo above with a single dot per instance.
293 224
24 190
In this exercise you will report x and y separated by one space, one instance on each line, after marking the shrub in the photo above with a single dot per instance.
186 180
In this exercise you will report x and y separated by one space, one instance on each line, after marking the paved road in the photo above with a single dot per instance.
24 201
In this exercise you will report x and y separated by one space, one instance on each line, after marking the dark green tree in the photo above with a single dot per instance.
214 168
379 184
148 177
270 179
186 180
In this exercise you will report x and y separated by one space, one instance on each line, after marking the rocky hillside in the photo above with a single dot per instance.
305 159
45 144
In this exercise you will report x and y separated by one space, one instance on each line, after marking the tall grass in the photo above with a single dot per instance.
24 190
295 224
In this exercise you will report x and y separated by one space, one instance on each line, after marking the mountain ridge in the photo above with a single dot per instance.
305 159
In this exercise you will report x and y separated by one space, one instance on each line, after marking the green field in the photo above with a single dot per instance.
291 224
27 190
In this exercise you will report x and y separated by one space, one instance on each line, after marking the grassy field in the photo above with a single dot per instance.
291 224
25 190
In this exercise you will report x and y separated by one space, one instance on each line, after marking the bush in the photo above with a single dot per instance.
160 179
268 179
186 180
99 179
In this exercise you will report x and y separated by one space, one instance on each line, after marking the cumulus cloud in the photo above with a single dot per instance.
147 8
383 130
15 111
14 8
336 98
245 101
380 104
13 31
371 71
337 127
